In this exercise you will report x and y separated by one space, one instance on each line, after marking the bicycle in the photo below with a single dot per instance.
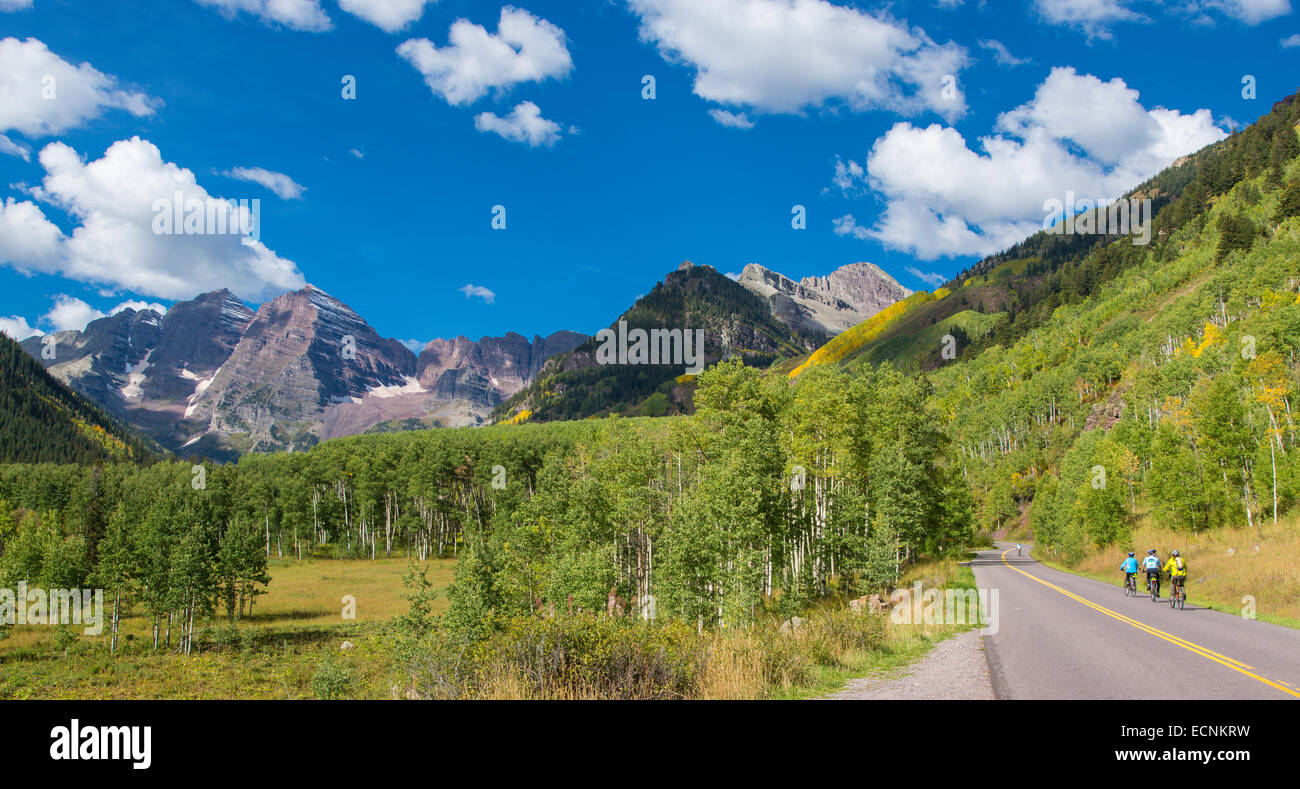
1153 586
1178 594
1130 585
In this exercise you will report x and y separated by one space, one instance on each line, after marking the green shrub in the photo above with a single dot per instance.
590 655
332 680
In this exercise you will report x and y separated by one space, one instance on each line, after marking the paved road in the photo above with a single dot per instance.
1060 636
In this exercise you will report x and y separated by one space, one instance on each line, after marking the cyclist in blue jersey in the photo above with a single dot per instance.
1130 568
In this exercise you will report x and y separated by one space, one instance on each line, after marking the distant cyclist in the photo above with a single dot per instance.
1176 569
1018 553
1151 566
1130 568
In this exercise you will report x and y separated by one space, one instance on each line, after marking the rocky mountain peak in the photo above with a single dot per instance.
827 304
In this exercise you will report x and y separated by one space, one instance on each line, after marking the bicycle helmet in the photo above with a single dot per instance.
1175 553
1151 551
1130 553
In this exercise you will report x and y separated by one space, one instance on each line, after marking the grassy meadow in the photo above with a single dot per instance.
272 653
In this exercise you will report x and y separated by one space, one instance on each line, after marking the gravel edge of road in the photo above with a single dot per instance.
955 669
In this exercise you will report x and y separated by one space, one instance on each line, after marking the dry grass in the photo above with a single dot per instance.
1225 565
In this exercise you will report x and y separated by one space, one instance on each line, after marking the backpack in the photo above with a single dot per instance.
1178 561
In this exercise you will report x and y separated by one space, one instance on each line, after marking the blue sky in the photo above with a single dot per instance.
386 200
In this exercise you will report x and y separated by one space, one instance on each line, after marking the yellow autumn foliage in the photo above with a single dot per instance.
852 339
1213 336
519 418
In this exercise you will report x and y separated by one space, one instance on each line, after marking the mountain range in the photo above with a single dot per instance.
760 316
213 377
216 378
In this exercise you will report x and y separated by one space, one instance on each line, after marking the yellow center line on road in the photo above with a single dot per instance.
1208 654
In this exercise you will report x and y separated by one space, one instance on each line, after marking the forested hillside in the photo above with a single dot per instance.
998 300
41 420
735 322
1129 381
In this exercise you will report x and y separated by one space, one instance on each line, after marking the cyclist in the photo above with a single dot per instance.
1130 568
1018 553
1176 569
1151 566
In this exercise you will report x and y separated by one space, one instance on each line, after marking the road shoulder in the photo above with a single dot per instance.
956 669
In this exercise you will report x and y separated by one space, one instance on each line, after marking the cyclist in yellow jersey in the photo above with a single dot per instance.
1176 569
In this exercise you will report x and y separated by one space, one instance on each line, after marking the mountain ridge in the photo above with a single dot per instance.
213 377
761 316
832 303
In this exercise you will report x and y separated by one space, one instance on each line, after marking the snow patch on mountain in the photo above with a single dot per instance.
412 386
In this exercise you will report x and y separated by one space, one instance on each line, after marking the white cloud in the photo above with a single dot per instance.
732 119
414 346
30 74
848 226
1093 17
16 326
27 238
1291 41
849 175
388 15
305 15
139 306
356 153
928 277
478 291
943 198
1096 17
15 5
282 185
112 201
1103 118
524 49
11 148
1252 12
524 124
1001 54
788 56
69 313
